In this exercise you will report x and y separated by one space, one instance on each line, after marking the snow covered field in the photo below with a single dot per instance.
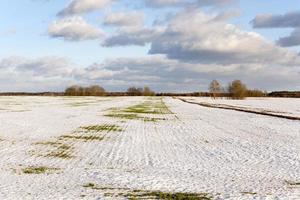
126 147
281 106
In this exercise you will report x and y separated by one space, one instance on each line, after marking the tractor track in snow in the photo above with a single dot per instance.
227 107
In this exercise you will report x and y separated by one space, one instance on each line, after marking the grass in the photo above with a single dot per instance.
38 170
149 107
83 137
123 115
134 117
138 112
102 128
167 196
141 194
60 150
249 193
293 183
95 187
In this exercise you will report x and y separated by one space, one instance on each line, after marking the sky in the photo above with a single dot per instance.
168 45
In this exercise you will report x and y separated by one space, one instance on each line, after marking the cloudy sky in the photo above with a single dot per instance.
169 45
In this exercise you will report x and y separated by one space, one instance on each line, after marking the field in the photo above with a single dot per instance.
148 148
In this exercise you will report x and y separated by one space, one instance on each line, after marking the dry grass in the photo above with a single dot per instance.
85 138
145 194
38 170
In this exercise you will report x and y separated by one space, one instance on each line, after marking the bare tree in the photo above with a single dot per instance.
237 90
215 88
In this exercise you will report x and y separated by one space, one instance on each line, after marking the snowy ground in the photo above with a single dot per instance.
226 154
281 106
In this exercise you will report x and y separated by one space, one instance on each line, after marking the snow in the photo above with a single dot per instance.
281 106
228 154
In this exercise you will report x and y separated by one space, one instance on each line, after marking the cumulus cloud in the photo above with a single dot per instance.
187 50
74 29
288 20
40 74
292 40
197 37
156 71
45 66
124 19
202 3
83 6
132 36
130 30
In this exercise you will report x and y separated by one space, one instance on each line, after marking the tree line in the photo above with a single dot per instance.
96 90
235 90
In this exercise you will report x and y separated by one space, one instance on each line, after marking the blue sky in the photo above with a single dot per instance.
31 42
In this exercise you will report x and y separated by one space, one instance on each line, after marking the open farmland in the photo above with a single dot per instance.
146 147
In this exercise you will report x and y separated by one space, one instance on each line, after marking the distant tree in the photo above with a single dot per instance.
133 91
215 88
237 90
82 91
95 90
148 92
256 93
72 91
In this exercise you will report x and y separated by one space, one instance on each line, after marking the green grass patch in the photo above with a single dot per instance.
167 196
144 194
83 137
60 150
149 107
141 111
102 128
38 170
96 187
123 115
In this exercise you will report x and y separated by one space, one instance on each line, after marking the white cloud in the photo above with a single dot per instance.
288 20
156 71
196 37
292 40
74 29
132 36
83 6
32 75
202 3
133 18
